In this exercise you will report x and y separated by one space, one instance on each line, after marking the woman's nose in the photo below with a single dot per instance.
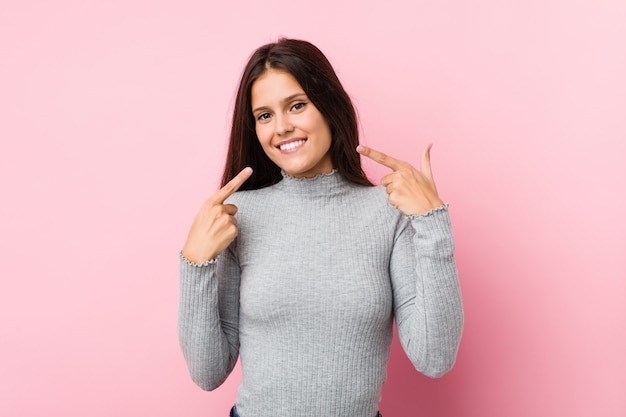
283 125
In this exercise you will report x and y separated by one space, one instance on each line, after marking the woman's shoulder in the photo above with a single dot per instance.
359 197
243 196
374 199
377 193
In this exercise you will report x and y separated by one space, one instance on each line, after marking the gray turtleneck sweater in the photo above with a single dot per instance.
307 293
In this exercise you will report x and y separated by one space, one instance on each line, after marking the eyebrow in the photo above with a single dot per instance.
285 100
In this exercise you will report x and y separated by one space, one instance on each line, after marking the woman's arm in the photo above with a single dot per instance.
427 298
208 318
209 290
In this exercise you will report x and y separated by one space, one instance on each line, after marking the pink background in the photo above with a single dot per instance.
113 119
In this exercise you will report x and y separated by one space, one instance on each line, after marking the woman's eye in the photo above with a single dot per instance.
298 106
263 116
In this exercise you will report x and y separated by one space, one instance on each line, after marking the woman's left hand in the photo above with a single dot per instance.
411 191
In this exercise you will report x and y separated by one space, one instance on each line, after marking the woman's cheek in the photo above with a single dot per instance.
262 135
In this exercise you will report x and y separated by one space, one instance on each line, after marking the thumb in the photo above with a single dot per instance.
426 168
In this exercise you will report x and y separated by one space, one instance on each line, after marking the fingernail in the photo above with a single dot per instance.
247 170
360 148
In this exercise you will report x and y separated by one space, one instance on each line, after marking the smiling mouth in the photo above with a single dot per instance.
291 146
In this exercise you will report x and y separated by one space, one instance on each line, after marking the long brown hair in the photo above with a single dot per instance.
308 65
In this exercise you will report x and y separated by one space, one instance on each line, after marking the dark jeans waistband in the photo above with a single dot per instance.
233 413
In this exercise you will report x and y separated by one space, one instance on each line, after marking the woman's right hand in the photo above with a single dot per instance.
215 226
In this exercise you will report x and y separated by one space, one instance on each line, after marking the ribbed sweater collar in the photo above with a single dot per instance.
320 185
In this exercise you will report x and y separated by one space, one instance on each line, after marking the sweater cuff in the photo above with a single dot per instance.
194 264
431 212
433 230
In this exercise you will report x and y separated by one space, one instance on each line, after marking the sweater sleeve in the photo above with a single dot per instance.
208 318
427 297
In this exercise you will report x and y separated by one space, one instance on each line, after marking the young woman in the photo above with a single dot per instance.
302 271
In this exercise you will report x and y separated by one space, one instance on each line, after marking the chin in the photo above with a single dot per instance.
304 167
295 172
295 169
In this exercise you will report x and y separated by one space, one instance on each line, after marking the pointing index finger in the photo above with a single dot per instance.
380 157
232 186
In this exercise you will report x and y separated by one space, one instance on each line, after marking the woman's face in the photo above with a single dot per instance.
292 132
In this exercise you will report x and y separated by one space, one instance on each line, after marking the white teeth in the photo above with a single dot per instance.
291 145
